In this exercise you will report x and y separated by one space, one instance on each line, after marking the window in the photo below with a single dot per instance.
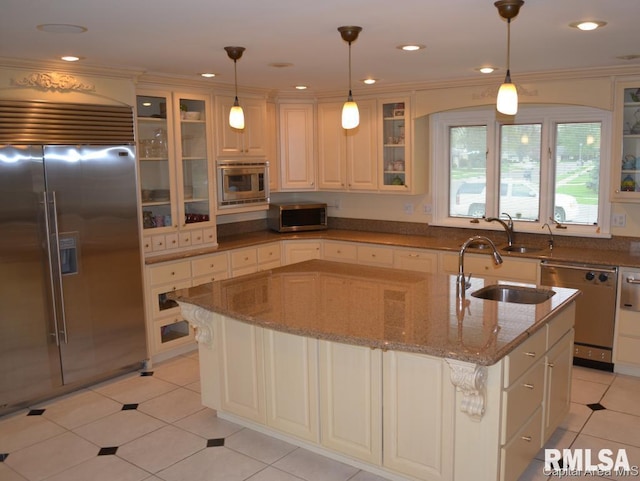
542 167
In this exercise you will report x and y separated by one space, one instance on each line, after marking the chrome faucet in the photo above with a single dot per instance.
508 227
463 284
550 235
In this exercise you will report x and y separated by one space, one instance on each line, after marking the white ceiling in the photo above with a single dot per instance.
186 37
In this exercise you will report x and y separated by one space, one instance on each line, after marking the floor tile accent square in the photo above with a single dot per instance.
108 451
146 373
211 443
130 407
596 406
35 412
3 456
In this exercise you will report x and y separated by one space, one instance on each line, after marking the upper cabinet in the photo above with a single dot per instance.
395 136
176 178
625 172
296 146
250 141
347 159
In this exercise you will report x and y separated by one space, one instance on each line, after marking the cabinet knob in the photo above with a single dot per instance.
550 364
526 438
528 385
530 354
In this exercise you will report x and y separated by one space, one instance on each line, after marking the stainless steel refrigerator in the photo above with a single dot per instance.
71 295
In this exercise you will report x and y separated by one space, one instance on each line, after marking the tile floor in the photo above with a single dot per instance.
153 427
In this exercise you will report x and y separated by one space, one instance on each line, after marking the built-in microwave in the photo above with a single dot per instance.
243 182
297 217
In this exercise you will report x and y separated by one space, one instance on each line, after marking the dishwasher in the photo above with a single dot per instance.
595 308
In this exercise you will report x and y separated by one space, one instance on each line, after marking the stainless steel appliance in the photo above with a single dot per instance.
595 308
71 296
242 182
296 217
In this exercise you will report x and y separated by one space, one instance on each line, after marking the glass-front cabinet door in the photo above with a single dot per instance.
176 170
156 166
396 163
626 160
195 166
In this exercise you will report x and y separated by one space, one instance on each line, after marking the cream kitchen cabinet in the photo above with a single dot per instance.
340 251
625 164
248 260
296 147
210 268
291 384
482 265
350 379
176 173
250 141
375 255
347 158
418 399
298 251
420 260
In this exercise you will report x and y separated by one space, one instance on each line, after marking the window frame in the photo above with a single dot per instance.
549 117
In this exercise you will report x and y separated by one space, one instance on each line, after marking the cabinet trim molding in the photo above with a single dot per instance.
471 381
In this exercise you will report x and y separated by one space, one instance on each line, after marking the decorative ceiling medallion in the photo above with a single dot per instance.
53 81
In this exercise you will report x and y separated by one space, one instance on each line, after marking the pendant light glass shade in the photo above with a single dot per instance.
236 114
350 113
507 101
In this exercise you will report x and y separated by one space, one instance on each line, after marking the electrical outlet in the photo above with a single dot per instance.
337 203
408 209
618 220
426 209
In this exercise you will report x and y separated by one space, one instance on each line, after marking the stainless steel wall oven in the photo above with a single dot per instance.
242 182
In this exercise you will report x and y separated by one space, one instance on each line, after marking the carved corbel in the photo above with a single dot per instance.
470 380
201 319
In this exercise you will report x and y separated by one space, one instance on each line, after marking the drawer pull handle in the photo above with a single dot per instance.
526 438
530 354
528 385
550 364
173 273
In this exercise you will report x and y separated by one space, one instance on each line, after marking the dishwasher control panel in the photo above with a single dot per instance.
630 290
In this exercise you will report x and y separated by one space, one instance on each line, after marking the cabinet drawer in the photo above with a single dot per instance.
628 323
516 455
560 325
169 272
380 256
171 240
210 265
340 251
416 260
524 356
268 253
208 235
521 399
243 258
197 237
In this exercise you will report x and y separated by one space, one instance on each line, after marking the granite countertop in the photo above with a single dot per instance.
573 253
379 307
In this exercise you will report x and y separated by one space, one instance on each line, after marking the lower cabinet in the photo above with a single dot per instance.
418 416
351 400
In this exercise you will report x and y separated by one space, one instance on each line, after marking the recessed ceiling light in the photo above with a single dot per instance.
207 75
301 87
588 25
369 81
70 58
281 64
487 69
61 28
411 47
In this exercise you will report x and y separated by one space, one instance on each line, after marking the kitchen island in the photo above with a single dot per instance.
312 353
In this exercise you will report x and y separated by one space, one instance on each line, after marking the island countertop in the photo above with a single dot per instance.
382 308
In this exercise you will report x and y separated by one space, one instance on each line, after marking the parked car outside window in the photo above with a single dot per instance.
518 198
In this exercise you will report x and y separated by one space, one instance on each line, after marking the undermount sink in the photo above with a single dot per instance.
515 294
520 249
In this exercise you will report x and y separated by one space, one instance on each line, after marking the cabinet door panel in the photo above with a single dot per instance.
559 369
241 351
362 168
418 400
292 385
350 400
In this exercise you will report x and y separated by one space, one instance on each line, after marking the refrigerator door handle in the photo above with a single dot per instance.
47 226
58 271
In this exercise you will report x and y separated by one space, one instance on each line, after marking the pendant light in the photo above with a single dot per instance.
507 102
350 114
236 115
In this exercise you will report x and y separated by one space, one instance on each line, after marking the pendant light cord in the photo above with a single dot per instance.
508 77
235 75
350 97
